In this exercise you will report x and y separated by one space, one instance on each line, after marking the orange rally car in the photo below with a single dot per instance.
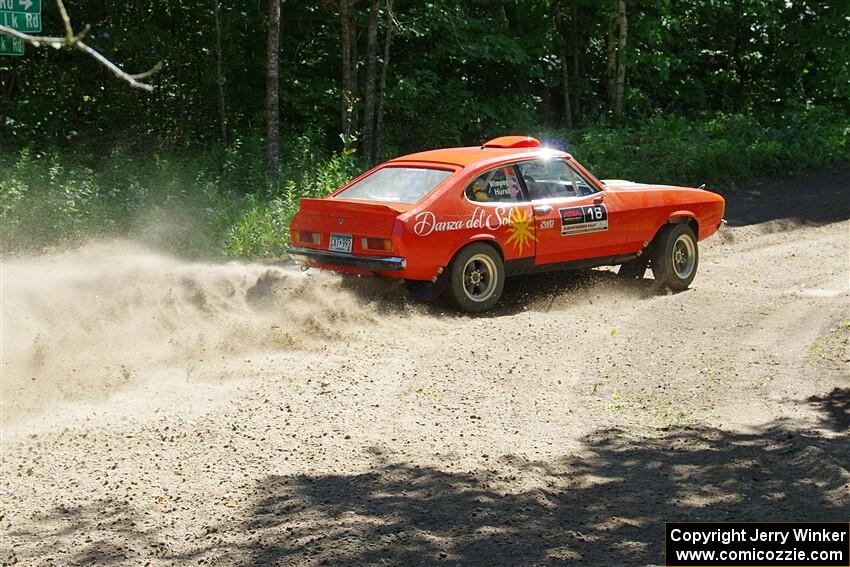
460 220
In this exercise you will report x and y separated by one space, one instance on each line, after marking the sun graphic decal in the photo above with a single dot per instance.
521 230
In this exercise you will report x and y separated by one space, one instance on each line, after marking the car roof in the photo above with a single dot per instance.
479 155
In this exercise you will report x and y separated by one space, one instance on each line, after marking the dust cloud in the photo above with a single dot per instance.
83 324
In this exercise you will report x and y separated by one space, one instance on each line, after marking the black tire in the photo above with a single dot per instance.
476 278
635 269
675 256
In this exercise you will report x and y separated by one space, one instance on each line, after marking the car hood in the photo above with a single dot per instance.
625 185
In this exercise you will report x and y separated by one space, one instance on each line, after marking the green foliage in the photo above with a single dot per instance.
460 71
717 92
218 204
262 231
718 149
193 206
50 198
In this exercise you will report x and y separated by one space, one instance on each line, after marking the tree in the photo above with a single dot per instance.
576 41
382 92
611 60
460 70
219 71
615 47
348 36
565 71
272 86
620 84
369 100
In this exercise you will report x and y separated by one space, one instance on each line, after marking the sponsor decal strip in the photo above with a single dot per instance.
583 219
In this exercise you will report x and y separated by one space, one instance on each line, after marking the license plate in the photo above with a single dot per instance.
340 243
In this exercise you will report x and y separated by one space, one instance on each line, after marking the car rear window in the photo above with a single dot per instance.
396 185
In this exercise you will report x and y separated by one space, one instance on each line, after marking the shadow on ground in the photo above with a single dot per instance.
553 290
816 198
539 292
834 408
604 505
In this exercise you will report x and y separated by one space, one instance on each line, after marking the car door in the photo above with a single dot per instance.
575 219
501 212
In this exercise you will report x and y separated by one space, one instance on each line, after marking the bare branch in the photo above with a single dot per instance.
69 31
115 69
35 40
75 41
149 72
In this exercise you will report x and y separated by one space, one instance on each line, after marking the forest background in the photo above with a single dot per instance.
258 104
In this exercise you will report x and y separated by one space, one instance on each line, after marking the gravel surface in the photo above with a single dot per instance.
156 411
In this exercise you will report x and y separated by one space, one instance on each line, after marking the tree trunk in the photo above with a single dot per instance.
272 84
620 86
347 102
219 72
611 60
371 72
355 81
735 54
565 78
382 92
565 71
576 60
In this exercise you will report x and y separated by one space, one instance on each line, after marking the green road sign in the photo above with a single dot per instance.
21 21
11 45
28 6
21 15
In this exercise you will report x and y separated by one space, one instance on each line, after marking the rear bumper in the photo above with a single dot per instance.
373 263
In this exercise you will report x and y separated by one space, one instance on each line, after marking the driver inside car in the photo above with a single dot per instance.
479 190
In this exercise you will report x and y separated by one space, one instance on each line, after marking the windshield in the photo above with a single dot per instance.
396 185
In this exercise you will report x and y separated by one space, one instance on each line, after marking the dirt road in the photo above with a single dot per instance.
160 411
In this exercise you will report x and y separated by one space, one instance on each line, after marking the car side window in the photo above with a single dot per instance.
553 178
496 186
583 186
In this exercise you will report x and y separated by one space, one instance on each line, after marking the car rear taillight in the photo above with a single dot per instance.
305 237
382 244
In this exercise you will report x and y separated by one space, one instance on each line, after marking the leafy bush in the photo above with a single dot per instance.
719 150
262 230
198 206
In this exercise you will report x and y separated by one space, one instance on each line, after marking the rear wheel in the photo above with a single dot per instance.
477 278
675 256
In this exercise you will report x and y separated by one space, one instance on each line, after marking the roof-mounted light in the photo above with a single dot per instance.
512 142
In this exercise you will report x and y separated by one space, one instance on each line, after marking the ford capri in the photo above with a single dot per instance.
459 221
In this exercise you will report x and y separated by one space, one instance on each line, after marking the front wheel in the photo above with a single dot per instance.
477 278
675 257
